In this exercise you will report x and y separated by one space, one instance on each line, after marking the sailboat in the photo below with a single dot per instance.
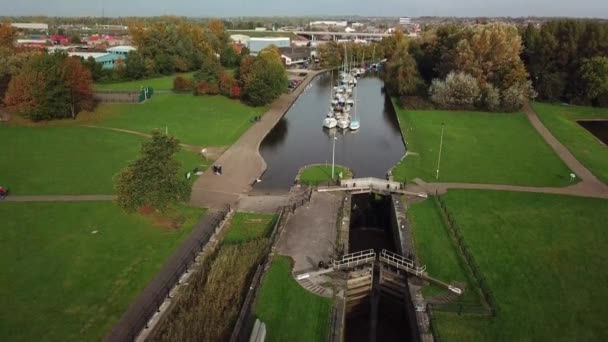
330 121
354 124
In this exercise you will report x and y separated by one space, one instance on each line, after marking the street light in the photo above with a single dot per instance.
333 156
440 148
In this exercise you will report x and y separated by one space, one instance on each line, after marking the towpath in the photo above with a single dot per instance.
242 163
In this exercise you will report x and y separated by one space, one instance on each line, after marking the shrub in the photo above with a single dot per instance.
236 92
183 84
514 97
458 91
201 88
490 98
226 83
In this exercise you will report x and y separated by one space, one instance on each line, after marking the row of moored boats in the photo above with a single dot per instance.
344 101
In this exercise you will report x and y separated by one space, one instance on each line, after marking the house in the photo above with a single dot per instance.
57 39
293 55
32 43
256 45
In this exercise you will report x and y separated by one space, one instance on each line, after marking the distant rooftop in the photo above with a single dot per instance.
86 55
31 26
122 48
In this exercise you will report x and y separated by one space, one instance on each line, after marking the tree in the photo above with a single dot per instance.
330 54
267 79
242 73
75 40
229 57
153 179
50 86
8 35
458 91
96 69
135 68
79 81
226 84
490 98
516 96
594 73
183 84
401 74
209 71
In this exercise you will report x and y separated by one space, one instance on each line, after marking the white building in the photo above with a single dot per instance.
349 30
256 45
31 26
240 38
405 21
329 23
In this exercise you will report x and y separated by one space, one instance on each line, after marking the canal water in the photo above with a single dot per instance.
299 138
599 128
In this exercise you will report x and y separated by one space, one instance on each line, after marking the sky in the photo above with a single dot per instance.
232 8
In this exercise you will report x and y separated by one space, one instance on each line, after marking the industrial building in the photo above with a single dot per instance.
107 59
256 45
38 27
122 50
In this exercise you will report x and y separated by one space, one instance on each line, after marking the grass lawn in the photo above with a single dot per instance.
435 249
60 160
157 83
61 282
544 259
477 148
248 226
196 120
317 174
561 121
289 311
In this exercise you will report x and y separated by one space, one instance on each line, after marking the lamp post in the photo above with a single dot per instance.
440 148
333 156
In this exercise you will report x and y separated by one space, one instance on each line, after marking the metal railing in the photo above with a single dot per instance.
401 262
354 259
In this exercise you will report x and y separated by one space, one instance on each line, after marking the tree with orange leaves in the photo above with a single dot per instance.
8 34
79 81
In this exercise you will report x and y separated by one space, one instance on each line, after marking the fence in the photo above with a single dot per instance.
433 324
471 265
123 96
136 318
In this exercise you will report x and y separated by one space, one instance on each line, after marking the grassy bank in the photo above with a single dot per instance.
69 270
289 311
318 174
209 306
543 257
561 121
477 148
197 120
157 83
60 160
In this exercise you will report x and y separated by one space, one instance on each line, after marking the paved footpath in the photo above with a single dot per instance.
589 186
242 162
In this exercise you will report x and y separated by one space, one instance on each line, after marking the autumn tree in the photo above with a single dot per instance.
267 79
227 83
330 54
135 67
401 74
79 82
8 35
457 91
210 70
154 179
242 73
50 86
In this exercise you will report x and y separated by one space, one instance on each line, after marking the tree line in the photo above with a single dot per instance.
492 67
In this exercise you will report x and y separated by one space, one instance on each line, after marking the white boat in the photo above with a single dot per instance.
350 102
354 124
346 109
330 123
330 114
344 123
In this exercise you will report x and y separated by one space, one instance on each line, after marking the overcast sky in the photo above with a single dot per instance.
223 8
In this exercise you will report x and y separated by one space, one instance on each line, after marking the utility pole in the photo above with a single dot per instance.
440 148
333 156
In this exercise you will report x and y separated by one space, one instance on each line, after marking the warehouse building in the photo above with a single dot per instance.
256 45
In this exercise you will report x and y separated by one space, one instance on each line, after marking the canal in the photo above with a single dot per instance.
299 138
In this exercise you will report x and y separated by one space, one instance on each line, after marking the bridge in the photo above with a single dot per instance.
370 184
314 35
